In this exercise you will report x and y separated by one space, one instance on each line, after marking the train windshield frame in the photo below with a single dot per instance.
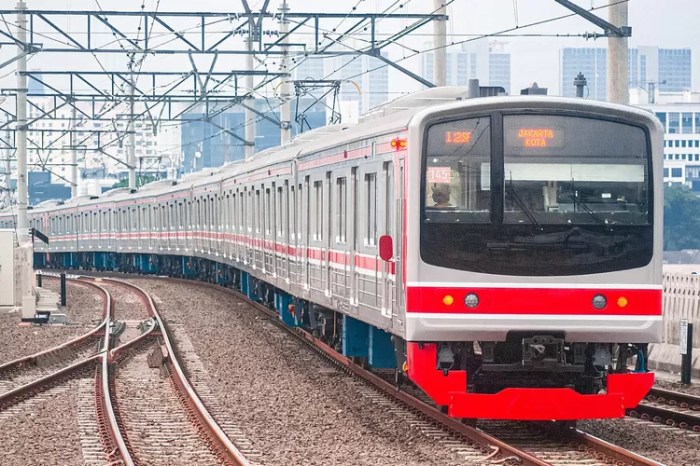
536 193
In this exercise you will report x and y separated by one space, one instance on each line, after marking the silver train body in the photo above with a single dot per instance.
308 219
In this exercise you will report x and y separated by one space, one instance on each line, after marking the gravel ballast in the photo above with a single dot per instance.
293 406
667 445
43 433
83 310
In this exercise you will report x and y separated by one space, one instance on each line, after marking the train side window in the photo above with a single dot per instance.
279 217
317 220
389 197
341 210
293 210
371 209
268 212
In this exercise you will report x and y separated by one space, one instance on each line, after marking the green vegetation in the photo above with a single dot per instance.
140 181
681 219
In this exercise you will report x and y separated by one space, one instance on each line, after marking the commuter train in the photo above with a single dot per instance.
502 253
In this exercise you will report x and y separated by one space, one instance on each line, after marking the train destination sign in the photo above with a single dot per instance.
458 137
539 137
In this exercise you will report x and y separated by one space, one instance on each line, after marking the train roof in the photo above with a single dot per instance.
393 116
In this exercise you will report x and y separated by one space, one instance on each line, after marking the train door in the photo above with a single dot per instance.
327 240
305 194
268 245
387 276
399 239
368 273
354 236
318 237
340 260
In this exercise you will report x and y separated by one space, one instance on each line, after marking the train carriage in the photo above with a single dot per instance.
504 253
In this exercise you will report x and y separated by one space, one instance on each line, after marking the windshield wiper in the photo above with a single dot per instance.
588 210
523 207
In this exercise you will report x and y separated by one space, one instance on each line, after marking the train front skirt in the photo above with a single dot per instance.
624 391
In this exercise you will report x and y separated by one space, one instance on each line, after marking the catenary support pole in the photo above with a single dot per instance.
131 162
21 133
618 55
8 172
73 155
249 115
285 94
440 45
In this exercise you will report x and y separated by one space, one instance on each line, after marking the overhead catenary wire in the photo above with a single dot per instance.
394 4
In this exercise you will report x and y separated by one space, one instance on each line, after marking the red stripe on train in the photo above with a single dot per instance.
576 301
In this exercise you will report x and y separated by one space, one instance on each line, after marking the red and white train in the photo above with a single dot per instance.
503 252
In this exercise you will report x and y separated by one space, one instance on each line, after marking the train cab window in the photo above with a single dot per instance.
457 184
555 173
572 195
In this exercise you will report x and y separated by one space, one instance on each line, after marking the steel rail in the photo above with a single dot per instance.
113 425
668 416
42 383
684 400
669 407
207 425
30 360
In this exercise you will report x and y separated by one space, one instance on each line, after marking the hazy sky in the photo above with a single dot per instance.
664 23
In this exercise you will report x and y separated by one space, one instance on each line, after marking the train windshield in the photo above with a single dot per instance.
536 195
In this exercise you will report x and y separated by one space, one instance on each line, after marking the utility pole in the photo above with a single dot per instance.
249 115
440 45
131 127
285 93
8 170
21 133
618 55
73 154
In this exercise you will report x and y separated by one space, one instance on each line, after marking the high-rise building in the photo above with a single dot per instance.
486 61
679 113
669 70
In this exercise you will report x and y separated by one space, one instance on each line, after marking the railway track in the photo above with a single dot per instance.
672 408
25 377
508 442
150 412
146 410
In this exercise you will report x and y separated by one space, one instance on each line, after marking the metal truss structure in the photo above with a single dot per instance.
204 40
319 90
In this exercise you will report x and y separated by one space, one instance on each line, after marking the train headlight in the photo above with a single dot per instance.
622 301
448 300
471 300
599 301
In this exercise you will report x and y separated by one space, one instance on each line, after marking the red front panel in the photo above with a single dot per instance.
543 404
560 301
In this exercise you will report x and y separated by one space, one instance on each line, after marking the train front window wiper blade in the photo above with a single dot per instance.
523 207
588 210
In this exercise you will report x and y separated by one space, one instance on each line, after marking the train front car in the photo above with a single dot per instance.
533 267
